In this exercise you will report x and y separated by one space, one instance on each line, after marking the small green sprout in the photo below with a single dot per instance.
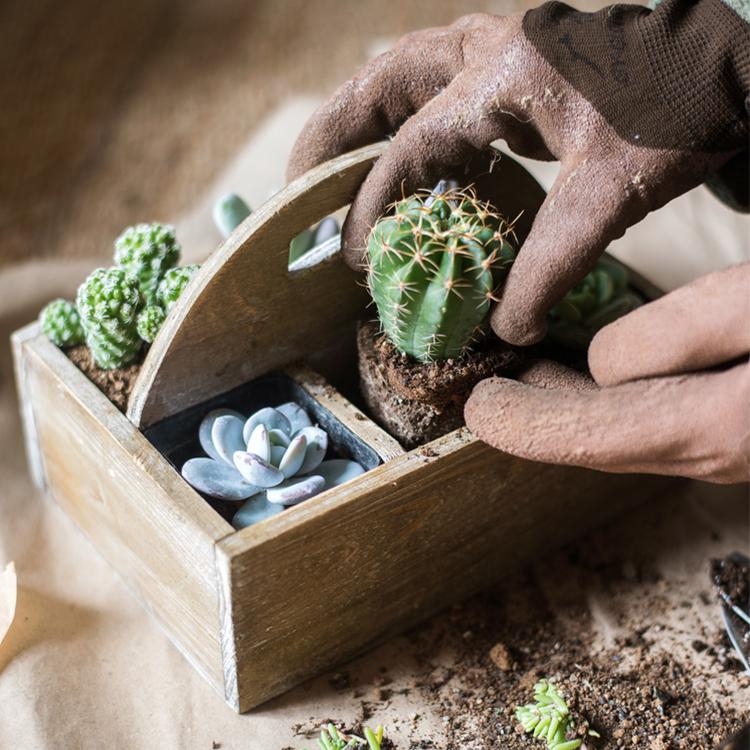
549 718
331 739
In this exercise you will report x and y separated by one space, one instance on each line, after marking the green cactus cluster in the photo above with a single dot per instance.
118 309
434 264
61 323
145 252
549 718
173 283
149 322
108 303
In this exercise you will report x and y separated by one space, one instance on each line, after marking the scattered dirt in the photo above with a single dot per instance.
731 578
631 696
419 402
116 385
635 655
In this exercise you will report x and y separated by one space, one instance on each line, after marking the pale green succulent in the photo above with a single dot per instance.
332 739
549 719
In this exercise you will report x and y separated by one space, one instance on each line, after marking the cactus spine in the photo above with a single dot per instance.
145 252
433 267
108 305
61 323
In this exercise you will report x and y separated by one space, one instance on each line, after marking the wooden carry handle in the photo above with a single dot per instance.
246 313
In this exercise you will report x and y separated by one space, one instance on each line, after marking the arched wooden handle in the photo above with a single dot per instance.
246 313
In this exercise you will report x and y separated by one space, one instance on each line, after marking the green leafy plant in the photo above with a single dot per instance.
549 719
145 252
434 264
332 739
108 303
600 298
61 323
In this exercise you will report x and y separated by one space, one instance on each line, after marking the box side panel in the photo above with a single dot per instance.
25 406
415 534
144 520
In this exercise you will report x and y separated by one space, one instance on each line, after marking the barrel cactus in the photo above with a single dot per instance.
61 323
172 285
434 264
145 252
108 303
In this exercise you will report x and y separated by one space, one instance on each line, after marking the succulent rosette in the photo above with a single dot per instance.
273 459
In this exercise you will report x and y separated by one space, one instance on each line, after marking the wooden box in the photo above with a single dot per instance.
259 610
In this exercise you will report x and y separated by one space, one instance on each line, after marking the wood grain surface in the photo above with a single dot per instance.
310 588
143 518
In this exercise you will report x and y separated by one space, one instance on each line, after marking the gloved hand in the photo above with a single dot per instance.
638 105
674 396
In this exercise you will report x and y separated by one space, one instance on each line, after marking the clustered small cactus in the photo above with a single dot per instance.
273 459
549 718
61 323
145 252
332 739
173 283
433 267
119 308
108 304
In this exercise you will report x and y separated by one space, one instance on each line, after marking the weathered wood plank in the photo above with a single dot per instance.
377 438
34 457
154 530
316 585
246 313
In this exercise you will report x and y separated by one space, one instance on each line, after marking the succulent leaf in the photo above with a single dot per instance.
145 252
108 303
434 264
549 718
229 212
599 299
61 323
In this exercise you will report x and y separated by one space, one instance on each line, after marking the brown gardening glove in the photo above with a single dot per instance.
674 396
638 105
